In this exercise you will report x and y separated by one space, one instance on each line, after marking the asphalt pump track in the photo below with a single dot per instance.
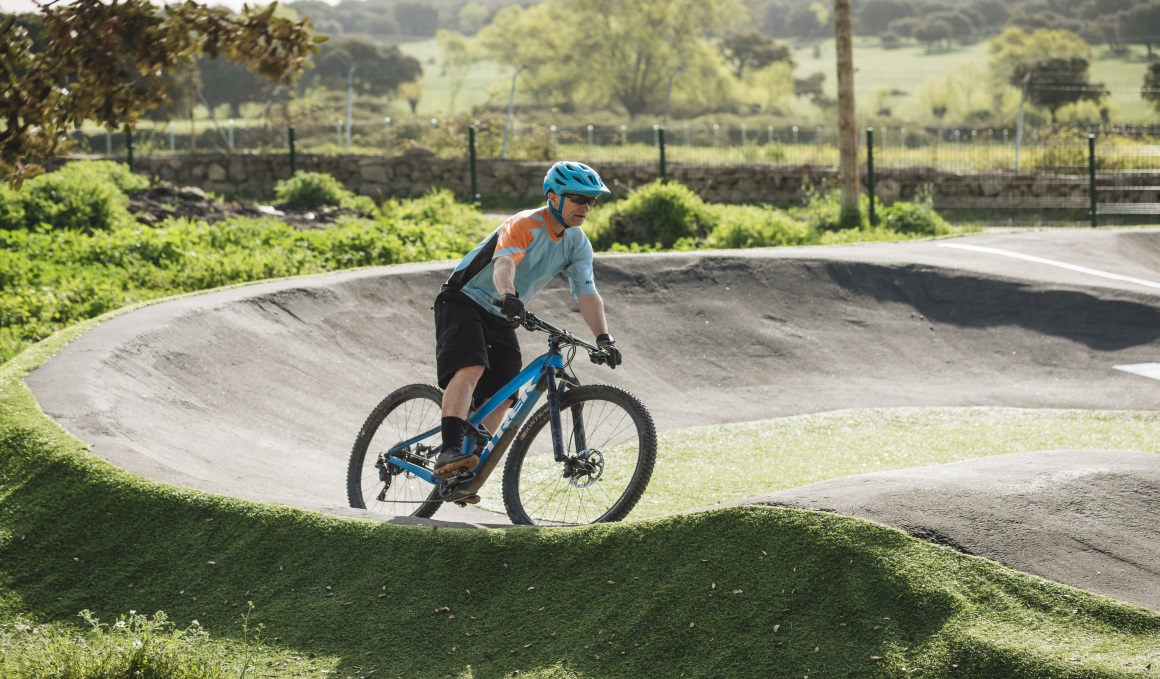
258 391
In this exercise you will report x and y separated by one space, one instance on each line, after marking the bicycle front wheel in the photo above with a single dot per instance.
375 484
610 447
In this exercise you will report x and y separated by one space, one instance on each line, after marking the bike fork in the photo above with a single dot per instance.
554 418
557 425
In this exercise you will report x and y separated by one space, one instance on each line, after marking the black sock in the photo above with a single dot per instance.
453 428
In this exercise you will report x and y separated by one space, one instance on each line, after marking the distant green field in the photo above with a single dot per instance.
901 70
486 82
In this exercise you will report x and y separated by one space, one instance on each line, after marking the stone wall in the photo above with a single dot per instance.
416 174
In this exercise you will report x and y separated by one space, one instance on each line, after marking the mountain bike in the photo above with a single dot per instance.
585 456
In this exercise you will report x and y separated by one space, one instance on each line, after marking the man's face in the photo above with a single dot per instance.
575 208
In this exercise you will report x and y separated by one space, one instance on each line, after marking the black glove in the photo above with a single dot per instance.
511 306
605 342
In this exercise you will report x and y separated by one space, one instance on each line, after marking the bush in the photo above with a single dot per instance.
917 219
118 174
83 195
822 210
747 226
660 212
439 208
312 190
11 209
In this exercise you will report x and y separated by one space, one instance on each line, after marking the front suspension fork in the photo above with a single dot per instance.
555 420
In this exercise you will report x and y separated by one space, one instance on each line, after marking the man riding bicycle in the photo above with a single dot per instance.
476 347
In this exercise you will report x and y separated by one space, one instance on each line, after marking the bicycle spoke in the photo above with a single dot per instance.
603 479
405 414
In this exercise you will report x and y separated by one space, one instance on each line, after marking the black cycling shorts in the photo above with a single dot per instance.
467 335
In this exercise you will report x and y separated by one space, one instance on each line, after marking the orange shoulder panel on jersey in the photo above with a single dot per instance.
515 236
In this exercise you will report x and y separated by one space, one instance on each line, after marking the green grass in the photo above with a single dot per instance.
754 458
738 592
486 83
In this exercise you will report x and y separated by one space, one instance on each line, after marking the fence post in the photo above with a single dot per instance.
1092 177
870 172
471 156
293 159
661 146
129 145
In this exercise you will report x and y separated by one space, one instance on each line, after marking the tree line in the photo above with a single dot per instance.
1116 23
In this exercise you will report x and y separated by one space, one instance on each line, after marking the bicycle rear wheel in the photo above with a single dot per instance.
610 442
374 484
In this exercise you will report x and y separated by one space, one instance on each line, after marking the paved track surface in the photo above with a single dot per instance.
258 391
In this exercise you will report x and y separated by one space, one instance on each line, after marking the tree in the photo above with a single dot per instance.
225 83
808 21
638 44
472 17
416 18
1093 10
620 53
1054 83
182 88
380 68
752 50
994 13
938 95
458 57
1015 48
412 91
1141 25
1151 90
876 15
847 122
107 62
367 17
812 86
933 31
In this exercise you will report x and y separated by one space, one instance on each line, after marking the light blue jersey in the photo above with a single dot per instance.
538 254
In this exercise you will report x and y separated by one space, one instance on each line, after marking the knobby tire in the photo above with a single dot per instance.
619 434
405 413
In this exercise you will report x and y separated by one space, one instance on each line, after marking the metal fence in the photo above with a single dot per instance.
1041 176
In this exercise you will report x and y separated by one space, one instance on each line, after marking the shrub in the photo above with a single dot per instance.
11 209
439 208
917 219
661 212
117 174
312 190
83 195
822 210
750 226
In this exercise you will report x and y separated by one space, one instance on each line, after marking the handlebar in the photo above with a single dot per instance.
532 323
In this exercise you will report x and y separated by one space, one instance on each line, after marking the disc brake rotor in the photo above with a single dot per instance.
585 469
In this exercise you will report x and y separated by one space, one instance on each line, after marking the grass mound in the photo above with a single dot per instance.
741 592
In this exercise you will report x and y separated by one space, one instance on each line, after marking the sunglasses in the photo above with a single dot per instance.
579 199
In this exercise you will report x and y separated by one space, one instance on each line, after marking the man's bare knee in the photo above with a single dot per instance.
471 372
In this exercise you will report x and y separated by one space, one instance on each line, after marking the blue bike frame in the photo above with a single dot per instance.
545 368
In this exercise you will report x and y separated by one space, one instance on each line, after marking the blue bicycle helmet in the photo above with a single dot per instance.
572 177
